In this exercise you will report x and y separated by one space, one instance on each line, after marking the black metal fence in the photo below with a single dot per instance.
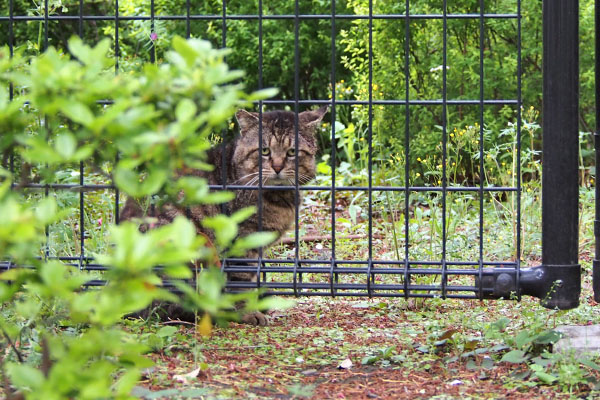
556 280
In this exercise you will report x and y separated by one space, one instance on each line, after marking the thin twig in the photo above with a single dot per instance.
12 345
323 238
178 322
46 361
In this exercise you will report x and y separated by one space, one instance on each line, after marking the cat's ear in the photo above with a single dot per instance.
312 119
246 120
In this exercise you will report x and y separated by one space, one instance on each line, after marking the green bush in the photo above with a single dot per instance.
69 342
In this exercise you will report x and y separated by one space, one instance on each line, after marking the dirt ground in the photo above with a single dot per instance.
319 349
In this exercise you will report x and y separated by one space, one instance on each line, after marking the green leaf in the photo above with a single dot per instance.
127 181
52 273
368 360
46 210
541 374
515 357
153 182
83 152
127 381
217 197
185 50
487 363
167 331
25 377
77 112
178 271
263 94
252 241
547 337
210 282
7 291
323 168
222 108
545 377
186 109
501 324
78 48
589 363
523 338
447 334
100 54
542 361
66 145
243 214
225 228
353 211
274 303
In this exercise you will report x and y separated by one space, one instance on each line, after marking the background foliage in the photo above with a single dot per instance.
351 63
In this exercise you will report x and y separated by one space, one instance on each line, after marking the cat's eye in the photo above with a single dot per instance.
291 152
266 151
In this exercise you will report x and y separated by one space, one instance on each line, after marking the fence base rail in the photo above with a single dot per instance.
557 286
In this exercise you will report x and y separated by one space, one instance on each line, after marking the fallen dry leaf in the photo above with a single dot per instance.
187 377
346 364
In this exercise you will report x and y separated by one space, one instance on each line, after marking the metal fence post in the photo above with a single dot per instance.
560 181
557 282
596 270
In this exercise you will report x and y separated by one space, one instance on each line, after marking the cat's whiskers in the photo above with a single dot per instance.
254 178
251 182
266 175
302 178
244 177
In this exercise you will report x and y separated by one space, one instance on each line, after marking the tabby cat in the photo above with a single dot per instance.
279 152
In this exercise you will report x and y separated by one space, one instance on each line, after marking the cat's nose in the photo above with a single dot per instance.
277 167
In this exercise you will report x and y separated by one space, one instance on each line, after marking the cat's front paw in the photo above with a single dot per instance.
255 318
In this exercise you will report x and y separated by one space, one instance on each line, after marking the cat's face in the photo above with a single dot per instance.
278 150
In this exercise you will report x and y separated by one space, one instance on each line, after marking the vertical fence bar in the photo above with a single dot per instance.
81 169
11 96
117 192
46 6
11 89
224 173
519 179
152 47
80 21
560 182
370 153
11 93
444 145
481 148
296 140
332 278
596 270
188 30
10 38
260 137
406 147
46 126
117 40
